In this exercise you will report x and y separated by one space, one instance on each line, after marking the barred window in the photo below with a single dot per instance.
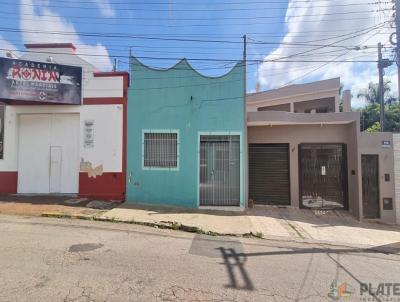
160 150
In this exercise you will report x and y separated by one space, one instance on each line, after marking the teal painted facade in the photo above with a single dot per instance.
180 100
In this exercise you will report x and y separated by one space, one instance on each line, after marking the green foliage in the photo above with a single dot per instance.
370 114
376 127
371 94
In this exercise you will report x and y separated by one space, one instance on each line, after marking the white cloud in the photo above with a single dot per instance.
7 46
105 8
354 76
40 18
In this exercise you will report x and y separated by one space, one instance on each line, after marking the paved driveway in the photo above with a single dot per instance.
330 226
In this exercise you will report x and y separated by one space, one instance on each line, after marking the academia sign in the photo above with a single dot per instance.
40 82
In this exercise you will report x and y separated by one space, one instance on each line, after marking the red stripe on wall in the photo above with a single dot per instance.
50 45
111 74
106 186
8 182
103 101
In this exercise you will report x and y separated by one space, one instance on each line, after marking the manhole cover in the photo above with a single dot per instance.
84 247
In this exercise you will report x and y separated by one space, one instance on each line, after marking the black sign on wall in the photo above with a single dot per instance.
40 82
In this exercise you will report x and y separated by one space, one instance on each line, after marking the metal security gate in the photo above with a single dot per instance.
323 175
269 174
370 185
219 170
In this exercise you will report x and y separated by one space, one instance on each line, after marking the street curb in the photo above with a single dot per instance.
69 216
171 225
194 229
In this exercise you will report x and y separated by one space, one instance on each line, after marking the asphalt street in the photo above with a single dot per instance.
43 259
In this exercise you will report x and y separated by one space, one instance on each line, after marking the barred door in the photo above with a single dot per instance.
323 175
370 185
219 170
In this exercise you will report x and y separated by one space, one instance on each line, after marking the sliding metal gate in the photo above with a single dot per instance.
269 174
219 170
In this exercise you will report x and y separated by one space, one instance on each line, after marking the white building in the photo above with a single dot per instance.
59 148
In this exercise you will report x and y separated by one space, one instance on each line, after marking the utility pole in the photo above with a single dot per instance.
115 65
245 149
245 62
130 65
397 20
380 87
382 64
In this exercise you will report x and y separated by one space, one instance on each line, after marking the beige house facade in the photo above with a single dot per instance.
304 151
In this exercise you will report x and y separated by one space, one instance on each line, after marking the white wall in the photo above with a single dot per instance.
107 149
104 86
108 136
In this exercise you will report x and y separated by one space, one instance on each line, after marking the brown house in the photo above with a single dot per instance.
304 152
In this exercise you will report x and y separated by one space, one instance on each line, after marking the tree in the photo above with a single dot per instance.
370 114
371 94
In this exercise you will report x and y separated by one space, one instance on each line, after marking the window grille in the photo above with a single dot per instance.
160 150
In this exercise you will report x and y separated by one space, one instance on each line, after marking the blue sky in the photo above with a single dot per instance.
298 30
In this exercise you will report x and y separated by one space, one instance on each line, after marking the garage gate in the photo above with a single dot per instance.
269 174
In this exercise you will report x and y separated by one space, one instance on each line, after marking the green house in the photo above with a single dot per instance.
186 137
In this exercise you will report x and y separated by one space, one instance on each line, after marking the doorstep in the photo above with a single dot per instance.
222 208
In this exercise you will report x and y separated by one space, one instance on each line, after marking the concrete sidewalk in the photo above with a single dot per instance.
336 227
268 222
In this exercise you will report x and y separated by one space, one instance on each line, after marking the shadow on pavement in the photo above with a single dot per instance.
234 257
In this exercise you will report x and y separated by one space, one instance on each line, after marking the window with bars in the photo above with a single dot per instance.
160 150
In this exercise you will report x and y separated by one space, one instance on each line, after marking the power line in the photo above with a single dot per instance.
192 59
323 33
213 18
213 25
185 10
272 60
121 35
323 65
268 34
206 3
